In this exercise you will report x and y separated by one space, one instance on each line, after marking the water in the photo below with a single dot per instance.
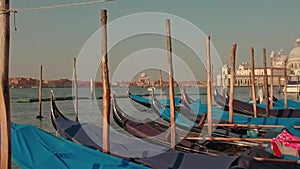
25 113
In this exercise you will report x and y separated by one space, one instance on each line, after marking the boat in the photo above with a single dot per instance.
181 159
292 85
139 129
147 102
279 104
254 158
291 103
152 129
247 109
35 148
90 135
223 116
218 115
186 98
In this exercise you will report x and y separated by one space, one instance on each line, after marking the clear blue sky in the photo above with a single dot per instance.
53 37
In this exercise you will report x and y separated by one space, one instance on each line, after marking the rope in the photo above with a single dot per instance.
8 11
63 5
14 11
15 25
5 11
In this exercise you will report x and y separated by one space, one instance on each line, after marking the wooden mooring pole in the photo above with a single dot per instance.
39 116
209 93
253 82
92 89
75 89
285 86
160 83
297 87
279 84
105 83
266 90
221 83
171 85
4 88
232 82
272 84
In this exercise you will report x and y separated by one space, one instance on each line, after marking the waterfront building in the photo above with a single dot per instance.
293 62
144 80
243 75
23 82
278 62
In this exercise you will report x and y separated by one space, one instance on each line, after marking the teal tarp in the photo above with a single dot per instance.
177 100
279 104
224 116
34 148
241 119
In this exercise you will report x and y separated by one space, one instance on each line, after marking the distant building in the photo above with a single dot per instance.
21 82
243 72
293 62
60 83
144 80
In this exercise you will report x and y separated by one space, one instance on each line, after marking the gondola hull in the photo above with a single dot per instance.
246 108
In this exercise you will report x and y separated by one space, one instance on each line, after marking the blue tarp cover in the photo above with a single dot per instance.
224 116
242 119
177 100
35 148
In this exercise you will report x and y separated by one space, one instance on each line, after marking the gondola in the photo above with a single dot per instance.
74 131
279 104
238 118
245 108
35 148
186 160
254 158
186 100
147 102
157 131
90 135
223 116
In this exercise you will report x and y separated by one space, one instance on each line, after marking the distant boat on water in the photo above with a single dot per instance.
293 85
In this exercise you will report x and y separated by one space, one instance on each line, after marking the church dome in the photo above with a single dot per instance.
281 56
295 52
143 75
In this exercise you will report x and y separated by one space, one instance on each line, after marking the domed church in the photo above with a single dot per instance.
293 62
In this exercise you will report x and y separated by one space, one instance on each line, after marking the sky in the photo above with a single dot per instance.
53 37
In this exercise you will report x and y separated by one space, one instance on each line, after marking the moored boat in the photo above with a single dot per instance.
35 148
90 135
246 108
147 102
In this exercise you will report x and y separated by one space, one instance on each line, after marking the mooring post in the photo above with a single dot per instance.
272 84
105 82
161 84
4 85
75 89
171 85
266 90
285 86
39 116
232 83
209 93
253 82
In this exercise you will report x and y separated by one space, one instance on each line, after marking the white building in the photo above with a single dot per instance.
293 62
243 71
144 80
